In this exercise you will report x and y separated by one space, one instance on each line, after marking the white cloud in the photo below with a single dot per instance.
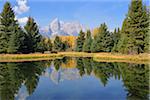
21 7
22 20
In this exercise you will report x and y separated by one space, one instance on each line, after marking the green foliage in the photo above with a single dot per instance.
66 45
147 34
44 45
116 37
49 45
134 29
33 35
134 77
80 41
12 75
132 39
88 65
17 42
59 45
80 66
87 42
7 24
103 41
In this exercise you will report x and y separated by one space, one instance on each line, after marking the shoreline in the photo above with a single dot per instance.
101 57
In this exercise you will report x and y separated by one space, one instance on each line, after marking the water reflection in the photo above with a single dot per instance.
13 76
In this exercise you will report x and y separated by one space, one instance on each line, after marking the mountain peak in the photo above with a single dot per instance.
61 28
55 25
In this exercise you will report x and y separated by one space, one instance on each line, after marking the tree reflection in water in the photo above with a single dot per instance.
12 75
135 77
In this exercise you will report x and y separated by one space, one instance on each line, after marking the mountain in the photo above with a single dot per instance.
60 28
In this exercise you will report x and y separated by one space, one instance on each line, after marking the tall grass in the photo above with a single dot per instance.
116 57
27 57
97 56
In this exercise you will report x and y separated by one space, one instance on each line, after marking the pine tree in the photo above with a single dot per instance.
102 41
7 24
49 45
23 42
87 42
80 41
147 30
42 46
65 45
33 35
15 44
136 27
57 44
123 39
108 42
116 37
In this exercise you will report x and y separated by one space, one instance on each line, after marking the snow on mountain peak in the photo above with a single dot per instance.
61 28
55 25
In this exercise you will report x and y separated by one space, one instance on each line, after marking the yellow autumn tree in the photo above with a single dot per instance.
70 40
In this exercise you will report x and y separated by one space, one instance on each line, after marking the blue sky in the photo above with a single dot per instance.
90 13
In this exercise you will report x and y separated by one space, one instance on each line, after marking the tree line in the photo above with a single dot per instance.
132 38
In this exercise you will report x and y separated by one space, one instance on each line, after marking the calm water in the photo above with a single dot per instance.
74 79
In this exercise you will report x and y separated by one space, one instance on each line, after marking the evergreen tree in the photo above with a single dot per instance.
123 39
116 36
7 26
87 42
80 41
14 42
80 66
136 27
33 35
57 44
108 42
44 45
147 30
49 45
65 45
17 41
102 41
23 42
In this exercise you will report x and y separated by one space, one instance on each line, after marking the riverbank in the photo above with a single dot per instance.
101 57
108 57
28 57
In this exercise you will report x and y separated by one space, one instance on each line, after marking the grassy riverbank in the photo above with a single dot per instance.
27 57
108 57
102 57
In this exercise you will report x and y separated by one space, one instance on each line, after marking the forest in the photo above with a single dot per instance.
131 38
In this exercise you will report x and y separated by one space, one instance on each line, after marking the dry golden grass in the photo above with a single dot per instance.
76 54
109 57
27 57
141 58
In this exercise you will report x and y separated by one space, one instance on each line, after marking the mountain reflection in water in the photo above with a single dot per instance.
20 80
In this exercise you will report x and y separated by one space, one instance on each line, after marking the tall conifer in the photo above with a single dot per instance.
7 24
33 35
88 41
80 41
